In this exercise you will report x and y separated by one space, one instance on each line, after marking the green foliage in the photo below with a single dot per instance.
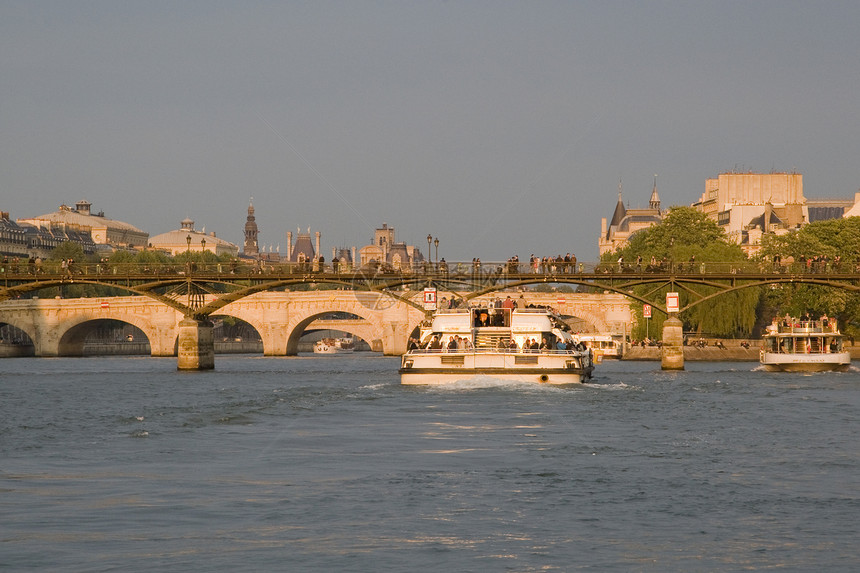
68 250
685 235
836 240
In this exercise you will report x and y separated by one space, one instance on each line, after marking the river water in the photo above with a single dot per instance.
328 464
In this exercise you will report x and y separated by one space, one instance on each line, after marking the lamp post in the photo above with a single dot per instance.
202 250
429 252
436 242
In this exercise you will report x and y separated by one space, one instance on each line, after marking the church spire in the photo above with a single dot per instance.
654 203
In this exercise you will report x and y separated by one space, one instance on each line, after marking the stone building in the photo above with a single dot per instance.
81 219
187 239
304 250
749 205
626 221
384 249
251 247
22 240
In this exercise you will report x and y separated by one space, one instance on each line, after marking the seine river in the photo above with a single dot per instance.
327 464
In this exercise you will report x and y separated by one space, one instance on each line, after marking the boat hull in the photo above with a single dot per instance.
557 368
777 362
433 376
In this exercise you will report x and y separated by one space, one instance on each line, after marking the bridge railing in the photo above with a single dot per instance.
465 269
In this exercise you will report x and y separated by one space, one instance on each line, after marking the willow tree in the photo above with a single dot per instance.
835 243
684 235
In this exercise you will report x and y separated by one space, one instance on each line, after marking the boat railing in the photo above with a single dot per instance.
807 327
569 351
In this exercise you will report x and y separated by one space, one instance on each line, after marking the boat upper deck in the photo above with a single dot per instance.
795 327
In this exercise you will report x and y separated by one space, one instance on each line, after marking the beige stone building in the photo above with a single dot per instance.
103 231
384 249
749 205
186 238
626 221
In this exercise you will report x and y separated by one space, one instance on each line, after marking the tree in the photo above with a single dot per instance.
686 235
68 250
834 245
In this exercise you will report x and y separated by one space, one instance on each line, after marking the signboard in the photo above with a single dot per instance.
429 299
560 300
646 310
105 304
672 302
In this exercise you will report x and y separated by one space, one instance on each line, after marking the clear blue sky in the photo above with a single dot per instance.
500 127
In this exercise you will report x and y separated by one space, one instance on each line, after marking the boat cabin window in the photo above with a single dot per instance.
484 317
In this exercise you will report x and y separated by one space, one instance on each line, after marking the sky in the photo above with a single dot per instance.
500 128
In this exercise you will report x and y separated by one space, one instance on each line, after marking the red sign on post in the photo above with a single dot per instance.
429 299
646 310
672 302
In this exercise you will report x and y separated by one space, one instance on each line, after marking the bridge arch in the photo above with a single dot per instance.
299 322
73 340
362 331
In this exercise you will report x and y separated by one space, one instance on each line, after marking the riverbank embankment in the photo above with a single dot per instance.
733 353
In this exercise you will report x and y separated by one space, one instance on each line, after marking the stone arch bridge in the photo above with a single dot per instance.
59 327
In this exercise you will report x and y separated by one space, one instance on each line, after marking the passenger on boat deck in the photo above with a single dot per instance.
544 345
513 345
535 346
485 319
435 343
501 345
560 345
452 344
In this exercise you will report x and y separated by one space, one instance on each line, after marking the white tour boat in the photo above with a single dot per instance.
792 345
602 345
526 345
334 345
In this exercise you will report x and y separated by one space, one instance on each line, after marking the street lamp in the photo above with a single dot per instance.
202 251
436 242
429 252
188 242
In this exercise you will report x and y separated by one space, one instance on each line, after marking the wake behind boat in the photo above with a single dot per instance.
526 345
792 345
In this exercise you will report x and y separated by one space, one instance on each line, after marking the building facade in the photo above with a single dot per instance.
81 219
187 239
750 205
625 222
385 249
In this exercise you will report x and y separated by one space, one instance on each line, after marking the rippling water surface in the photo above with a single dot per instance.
328 464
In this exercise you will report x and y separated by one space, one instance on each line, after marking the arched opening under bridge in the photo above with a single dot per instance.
103 337
15 342
233 335
333 325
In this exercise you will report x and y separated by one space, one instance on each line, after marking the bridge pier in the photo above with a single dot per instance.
196 345
672 351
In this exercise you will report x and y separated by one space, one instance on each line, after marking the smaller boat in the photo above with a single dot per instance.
602 345
792 345
334 345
